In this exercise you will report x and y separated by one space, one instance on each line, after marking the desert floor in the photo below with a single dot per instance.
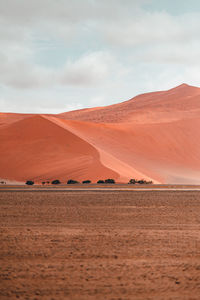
99 244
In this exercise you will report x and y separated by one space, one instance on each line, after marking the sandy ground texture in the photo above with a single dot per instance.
100 245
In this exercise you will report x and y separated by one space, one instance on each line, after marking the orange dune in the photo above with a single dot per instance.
152 136
35 148
177 103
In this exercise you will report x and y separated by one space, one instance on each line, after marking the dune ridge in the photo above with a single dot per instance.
152 136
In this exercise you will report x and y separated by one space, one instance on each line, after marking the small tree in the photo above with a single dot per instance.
132 181
86 181
29 182
100 181
109 180
56 181
141 181
43 182
71 181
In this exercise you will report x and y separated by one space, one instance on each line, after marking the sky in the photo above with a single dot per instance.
61 55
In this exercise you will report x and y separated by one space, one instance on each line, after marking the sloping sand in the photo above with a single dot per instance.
152 136
157 107
35 148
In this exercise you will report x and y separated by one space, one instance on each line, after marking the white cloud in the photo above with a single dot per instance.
153 28
89 69
176 54
92 68
23 11
114 50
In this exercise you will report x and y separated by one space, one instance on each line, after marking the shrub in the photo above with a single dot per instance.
86 181
43 182
100 181
56 181
29 182
143 181
109 180
132 181
71 181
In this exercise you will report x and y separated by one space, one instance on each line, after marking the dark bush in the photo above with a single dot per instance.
29 182
56 181
143 181
43 182
71 181
100 181
109 180
86 181
132 181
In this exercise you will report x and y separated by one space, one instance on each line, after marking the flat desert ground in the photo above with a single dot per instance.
99 244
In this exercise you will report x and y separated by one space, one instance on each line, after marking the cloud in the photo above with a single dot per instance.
153 28
110 51
89 69
92 68
176 54
22 11
19 73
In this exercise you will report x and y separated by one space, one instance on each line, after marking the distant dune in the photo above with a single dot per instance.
154 136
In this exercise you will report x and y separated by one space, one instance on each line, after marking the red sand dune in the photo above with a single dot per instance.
153 136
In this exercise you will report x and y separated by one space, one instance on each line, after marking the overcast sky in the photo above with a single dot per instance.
59 55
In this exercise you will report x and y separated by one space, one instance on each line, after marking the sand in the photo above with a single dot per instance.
99 245
35 148
152 136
